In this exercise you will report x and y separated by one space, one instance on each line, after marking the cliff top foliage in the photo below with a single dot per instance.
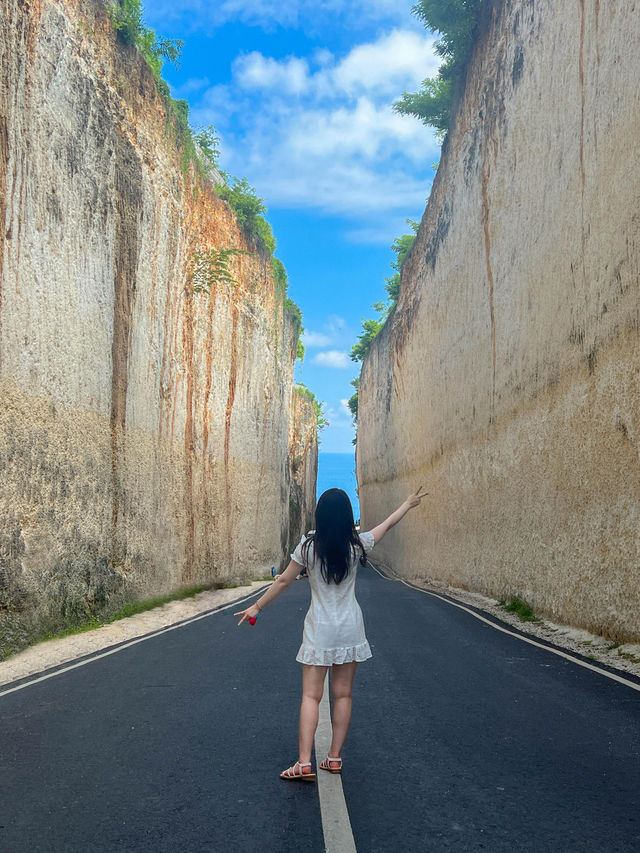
456 22
318 407
371 328
249 210
200 144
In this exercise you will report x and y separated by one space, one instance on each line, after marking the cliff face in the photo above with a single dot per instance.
144 428
303 464
507 380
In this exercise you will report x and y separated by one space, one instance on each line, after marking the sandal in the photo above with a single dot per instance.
328 761
296 772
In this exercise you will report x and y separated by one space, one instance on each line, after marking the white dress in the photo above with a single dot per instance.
333 627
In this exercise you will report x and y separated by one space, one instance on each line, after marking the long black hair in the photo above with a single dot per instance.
335 538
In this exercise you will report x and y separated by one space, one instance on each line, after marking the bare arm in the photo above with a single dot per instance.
411 502
280 583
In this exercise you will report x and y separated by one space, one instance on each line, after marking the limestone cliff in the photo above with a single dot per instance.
507 379
144 428
303 450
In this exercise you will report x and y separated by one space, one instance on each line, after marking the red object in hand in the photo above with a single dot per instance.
252 620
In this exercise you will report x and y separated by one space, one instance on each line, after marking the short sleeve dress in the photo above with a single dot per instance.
333 627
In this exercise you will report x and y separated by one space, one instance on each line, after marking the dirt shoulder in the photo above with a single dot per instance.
623 657
52 653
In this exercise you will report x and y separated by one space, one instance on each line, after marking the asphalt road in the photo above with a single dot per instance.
462 739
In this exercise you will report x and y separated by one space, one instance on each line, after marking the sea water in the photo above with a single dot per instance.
338 471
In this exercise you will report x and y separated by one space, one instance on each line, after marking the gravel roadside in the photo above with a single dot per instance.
51 653
619 656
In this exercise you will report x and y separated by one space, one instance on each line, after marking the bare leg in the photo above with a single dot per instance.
312 688
342 676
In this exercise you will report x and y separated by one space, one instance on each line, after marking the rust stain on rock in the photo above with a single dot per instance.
582 95
486 172
4 163
128 204
32 11
206 417
233 370
154 274
166 375
189 436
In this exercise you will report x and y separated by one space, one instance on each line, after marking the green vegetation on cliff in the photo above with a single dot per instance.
126 17
249 210
370 328
318 407
196 145
456 22
352 402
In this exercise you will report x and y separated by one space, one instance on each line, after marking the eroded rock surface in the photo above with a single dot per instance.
144 428
507 380
303 449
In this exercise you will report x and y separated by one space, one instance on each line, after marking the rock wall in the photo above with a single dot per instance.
303 464
144 428
507 381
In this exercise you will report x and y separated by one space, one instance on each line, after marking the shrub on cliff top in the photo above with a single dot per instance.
318 407
208 142
456 21
371 328
296 315
126 17
249 210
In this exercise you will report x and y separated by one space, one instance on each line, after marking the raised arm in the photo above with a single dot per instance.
279 585
411 502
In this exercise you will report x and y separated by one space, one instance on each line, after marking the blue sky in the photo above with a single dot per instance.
300 94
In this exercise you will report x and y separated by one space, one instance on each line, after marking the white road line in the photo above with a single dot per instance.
130 643
336 826
531 642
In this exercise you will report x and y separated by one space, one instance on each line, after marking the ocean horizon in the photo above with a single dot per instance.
338 471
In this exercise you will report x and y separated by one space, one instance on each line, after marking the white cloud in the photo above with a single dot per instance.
379 234
319 132
387 65
339 415
202 15
382 68
332 332
332 358
193 84
344 407
316 339
255 71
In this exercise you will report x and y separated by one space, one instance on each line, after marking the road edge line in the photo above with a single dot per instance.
549 648
36 679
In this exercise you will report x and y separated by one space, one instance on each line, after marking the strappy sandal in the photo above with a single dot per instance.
292 773
328 761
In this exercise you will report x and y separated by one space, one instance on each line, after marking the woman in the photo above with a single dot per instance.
333 628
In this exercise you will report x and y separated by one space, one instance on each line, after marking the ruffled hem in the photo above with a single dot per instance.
327 657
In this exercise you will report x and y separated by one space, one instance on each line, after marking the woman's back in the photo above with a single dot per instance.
334 627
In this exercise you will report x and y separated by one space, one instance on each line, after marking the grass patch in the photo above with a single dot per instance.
628 656
130 609
517 605
135 607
